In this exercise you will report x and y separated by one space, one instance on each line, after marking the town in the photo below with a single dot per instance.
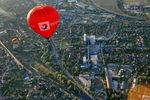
93 55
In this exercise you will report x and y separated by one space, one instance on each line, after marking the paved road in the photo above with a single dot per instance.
15 59
76 83
33 61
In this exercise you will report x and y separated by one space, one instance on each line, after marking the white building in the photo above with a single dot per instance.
85 37
123 85
84 66
82 5
91 38
94 59
72 1
135 82
84 60
2 32
85 80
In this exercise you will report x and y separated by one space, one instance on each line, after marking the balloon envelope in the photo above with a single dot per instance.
15 41
43 20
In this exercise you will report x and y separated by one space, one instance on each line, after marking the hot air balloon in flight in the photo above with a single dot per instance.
43 20
15 43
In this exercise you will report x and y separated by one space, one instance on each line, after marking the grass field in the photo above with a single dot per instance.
108 4
141 2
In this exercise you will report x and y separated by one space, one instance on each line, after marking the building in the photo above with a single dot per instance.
115 85
126 67
107 15
84 60
146 8
91 8
85 80
135 82
123 85
94 59
84 37
84 66
82 5
113 66
108 79
144 97
72 1
2 32
90 38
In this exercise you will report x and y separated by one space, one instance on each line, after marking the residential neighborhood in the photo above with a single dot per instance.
94 54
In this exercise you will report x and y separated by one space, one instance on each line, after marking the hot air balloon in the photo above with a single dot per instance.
43 20
15 42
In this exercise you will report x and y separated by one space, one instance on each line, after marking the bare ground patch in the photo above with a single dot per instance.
109 5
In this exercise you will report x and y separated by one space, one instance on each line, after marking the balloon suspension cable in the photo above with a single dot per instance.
48 40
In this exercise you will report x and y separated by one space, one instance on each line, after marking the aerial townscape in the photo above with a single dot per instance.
100 51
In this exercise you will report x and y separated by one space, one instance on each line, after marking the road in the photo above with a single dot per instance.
53 81
49 79
21 66
75 82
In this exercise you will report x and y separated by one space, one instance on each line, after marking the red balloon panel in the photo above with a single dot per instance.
43 20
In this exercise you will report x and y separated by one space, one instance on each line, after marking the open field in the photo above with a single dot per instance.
141 2
110 5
